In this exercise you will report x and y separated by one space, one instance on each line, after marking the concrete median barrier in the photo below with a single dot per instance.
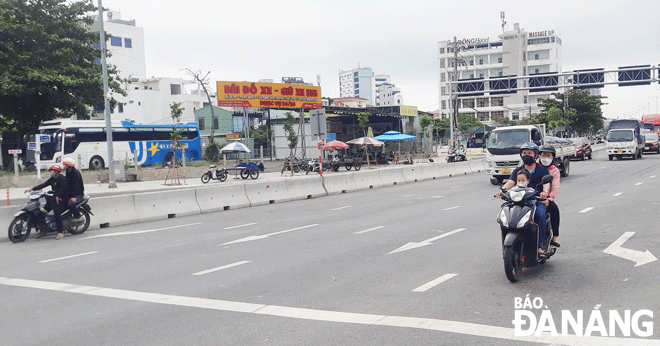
340 183
113 211
166 204
267 192
392 176
368 179
431 171
477 166
221 197
305 187
414 173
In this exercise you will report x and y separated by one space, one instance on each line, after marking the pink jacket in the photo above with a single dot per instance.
554 186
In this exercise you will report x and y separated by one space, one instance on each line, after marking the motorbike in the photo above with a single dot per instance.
456 156
286 166
520 236
29 218
313 166
215 173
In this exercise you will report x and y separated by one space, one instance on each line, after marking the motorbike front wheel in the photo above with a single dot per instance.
81 228
245 174
19 229
206 177
254 174
513 263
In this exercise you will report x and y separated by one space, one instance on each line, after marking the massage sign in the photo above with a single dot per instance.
268 95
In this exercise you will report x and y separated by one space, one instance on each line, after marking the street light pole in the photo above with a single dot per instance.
108 122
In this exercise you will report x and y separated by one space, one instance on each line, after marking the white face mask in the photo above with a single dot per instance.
522 185
546 161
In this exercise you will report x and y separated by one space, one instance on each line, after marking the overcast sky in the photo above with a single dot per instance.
252 40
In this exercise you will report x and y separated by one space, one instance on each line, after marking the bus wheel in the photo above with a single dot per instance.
96 163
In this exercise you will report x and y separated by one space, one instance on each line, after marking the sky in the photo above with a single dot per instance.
253 40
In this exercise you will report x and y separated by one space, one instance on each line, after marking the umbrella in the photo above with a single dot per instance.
334 145
366 141
393 136
235 147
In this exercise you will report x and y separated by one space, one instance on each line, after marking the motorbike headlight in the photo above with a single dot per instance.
502 218
517 196
524 220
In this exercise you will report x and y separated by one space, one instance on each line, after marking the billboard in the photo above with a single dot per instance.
268 95
409 111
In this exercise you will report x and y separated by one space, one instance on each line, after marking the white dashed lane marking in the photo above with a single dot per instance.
340 208
67 257
586 210
221 268
617 194
427 286
450 208
370 229
239 226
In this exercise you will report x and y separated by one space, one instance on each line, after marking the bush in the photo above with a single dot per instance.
212 152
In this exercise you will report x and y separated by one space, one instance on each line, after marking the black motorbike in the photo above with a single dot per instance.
215 173
31 216
520 236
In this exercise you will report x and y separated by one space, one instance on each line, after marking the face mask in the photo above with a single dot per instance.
528 160
52 174
522 185
546 162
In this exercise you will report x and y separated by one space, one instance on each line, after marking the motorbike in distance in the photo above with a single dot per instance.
30 217
214 172
456 155
520 235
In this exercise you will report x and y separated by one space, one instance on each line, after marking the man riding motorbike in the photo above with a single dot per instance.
75 188
529 153
548 154
57 183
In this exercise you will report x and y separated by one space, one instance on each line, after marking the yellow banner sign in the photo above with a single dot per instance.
232 135
268 95
409 111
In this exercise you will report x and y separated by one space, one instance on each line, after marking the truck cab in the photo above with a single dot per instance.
503 148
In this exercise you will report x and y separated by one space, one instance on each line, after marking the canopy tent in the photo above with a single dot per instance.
394 136
334 145
364 141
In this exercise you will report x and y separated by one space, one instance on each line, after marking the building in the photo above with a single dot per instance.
516 53
353 102
362 82
148 100
222 124
388 95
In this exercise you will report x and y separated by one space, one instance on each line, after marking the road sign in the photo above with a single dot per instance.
317 123
15 151
32 145
44 138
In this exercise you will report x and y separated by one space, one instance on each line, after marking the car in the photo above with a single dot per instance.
652 142
582 148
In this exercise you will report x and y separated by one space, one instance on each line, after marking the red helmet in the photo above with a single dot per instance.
55 168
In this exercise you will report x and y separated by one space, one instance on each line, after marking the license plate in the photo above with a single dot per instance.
619 151
506 170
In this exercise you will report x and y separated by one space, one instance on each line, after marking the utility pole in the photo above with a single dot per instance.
108 122
453 94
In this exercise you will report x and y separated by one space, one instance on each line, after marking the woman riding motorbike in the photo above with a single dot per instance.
547 159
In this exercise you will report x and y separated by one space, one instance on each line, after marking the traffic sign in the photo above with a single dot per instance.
44 138
15 151
32 145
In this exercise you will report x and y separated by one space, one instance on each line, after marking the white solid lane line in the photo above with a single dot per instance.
239 226
370 229
140 232
427 286
257 237
412 194
221 268
617 194
653 176
437 196
638 184
450 208
456 187
67 257
340 208
586 210
414 323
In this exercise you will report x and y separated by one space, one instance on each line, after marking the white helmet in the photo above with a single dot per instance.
69 162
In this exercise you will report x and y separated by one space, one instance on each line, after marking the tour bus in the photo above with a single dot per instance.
85 142
653 119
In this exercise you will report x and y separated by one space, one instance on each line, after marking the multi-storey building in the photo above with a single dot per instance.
388 95
516 53
357 83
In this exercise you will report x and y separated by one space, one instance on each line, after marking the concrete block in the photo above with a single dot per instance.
214 198
267 192
305 187
166 204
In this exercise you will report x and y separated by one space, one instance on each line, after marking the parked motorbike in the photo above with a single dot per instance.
287 165
456 156
520 236
215 173
30 214
313 166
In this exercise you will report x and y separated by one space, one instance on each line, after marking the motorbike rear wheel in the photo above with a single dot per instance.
513 263
245 174
81 228
206 177
254 174
222 176
19 229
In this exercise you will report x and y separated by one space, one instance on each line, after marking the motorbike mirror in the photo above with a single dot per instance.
494 181
546 179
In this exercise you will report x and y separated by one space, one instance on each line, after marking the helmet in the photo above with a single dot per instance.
547 148
69 162
530 146
55 168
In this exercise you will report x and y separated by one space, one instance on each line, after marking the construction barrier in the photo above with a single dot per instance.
368 179
166 204
113 211
221 197
305 187
267 192
392 176
337 184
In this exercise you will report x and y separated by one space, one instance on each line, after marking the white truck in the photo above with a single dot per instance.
503 149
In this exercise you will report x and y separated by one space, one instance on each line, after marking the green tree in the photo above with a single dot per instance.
440 126
363 119
291 137
584 112
48 63
176 111
176 136
260 136
467 122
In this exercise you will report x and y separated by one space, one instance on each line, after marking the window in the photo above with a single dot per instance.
215 123
357 85
443 105
524 56
536 57
515 116
497 101
482 116
115 41
356 79
442 51
498 114
355 74
442 63
471 62
443 91
481 61
499 60
175 89
442 77
482 102
524 71
536 70
128 43
201 124
121 107
525 99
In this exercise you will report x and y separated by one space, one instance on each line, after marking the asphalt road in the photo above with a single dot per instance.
412 264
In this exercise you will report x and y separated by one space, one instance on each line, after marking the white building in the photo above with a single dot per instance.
388 95
148 99
516 53
362 82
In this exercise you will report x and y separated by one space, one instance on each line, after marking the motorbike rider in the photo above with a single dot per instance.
548 153
529 153
75 188
57 183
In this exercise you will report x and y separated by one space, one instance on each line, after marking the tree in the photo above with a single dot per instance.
424 122
363 119
586 114
176 111
440 126
260 136
291 137
177 134
48 63
467 122
204 82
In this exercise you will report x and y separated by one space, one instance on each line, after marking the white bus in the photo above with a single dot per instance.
85 142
